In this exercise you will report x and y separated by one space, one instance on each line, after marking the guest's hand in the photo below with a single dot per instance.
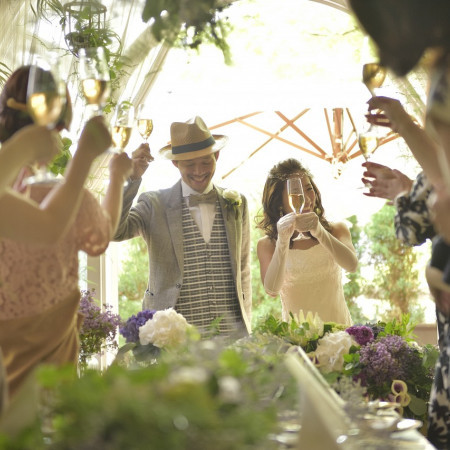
394 113
120 167
286 227
385 182
306 222
141 158
95 138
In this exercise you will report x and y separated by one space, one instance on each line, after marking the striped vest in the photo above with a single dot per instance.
208 291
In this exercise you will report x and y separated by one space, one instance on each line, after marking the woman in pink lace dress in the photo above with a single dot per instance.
39 291
306 273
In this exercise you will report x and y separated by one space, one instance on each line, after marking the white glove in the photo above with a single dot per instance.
340 248
286 227
306 222
275 272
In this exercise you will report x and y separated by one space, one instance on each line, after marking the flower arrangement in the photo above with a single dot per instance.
150 331
233 201
382 358
99 328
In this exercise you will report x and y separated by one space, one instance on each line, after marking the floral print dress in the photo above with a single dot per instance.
438 107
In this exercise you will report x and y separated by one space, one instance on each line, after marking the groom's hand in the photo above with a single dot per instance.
140 158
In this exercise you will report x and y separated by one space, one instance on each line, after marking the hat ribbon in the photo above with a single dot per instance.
177 149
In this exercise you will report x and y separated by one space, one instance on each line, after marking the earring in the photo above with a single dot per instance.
317 210
281 212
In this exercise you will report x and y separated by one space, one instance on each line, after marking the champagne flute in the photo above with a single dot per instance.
144 122
296 198
94 74
368 140
46 100
373 75
122 126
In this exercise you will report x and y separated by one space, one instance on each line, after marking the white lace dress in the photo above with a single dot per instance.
313 282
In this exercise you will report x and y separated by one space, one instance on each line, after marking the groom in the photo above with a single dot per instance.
199 245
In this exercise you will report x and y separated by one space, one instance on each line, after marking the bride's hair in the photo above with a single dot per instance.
272 199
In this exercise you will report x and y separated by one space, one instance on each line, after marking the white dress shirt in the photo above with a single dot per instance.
204 213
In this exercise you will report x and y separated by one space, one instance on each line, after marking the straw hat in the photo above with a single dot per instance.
191 139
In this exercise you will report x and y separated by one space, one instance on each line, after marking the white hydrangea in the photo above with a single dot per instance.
331 350
167 329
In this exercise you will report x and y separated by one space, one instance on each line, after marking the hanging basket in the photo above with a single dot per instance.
84 25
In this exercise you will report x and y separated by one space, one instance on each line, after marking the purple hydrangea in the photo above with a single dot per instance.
95 320
386 359
130 331
98 329
362 334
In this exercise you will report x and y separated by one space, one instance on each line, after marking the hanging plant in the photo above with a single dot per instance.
83 23
190 23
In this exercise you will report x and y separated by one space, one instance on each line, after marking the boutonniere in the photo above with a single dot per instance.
233 200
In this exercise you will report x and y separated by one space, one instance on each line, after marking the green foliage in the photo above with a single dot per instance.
190 25
396 278
59 163
403 327
212 396
354 286
133 277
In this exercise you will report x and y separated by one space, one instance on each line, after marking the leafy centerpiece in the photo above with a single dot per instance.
382 358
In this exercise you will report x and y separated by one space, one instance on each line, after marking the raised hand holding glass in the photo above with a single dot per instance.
46 101
122 126
296 198
94 75
144 121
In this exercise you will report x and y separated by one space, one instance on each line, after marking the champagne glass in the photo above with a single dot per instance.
368 140
144 122
296 198
46 100
94 75
373 75
122 126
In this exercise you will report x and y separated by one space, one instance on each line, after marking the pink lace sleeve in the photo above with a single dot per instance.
93 226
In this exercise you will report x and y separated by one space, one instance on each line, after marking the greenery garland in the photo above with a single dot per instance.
189 23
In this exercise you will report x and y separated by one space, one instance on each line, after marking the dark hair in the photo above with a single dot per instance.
404 29
11 119
272 198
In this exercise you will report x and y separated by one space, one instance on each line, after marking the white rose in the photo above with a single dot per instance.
331 350
232 196
166 329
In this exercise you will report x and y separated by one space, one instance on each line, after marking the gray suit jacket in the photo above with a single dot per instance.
157 218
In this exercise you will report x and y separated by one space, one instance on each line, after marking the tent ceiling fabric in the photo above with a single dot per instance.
329 134
144 60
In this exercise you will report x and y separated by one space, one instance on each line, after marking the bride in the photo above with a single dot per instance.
307 272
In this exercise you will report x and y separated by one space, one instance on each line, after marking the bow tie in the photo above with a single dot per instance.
196 199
